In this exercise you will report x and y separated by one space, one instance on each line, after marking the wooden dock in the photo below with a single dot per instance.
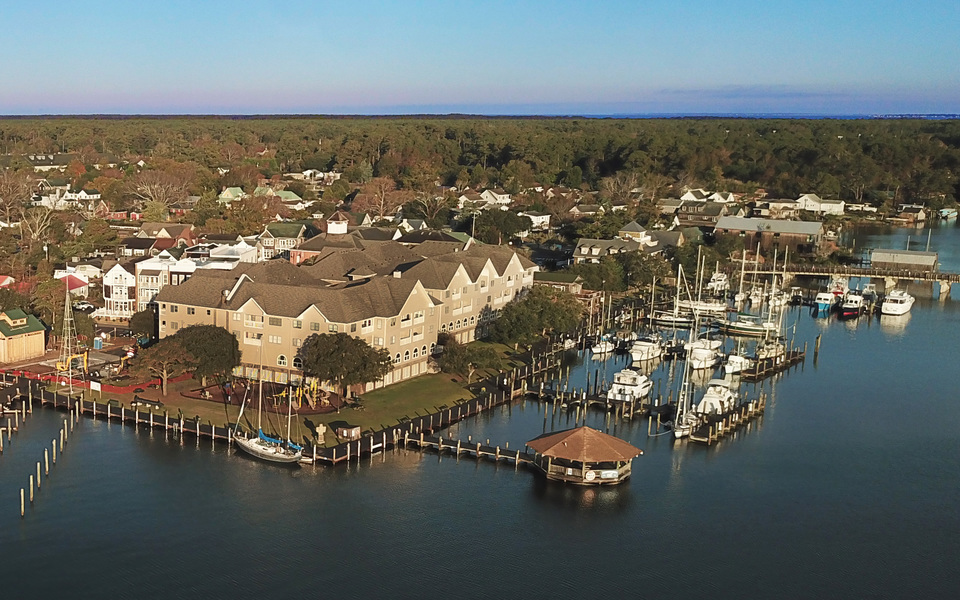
771 366
470 448
727 424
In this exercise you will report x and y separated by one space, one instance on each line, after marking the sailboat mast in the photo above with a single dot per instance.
289 412
260 399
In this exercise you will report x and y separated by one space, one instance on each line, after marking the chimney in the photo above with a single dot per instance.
396 274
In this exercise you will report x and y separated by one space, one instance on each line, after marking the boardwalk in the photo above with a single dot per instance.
851 271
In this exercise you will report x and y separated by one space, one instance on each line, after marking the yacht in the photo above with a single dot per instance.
646 347
718 284
897 302
629 385
603 347
736 363
746 324
703 353
718 400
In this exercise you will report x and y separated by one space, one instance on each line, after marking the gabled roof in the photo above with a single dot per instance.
285 230
633 227
32 324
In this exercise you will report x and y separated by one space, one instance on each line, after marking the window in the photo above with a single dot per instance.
423 350
191 310
314 326
366 323
406 355
297 362
416 352
458 323
297 324
281 361
353 327
297 342
396 359
174 308
275 339
173 325
332 327
236 316
276 321
393 322
255 321
208 312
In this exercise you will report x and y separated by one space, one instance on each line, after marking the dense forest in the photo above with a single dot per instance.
856 160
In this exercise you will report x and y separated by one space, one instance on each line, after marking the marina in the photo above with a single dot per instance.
829 428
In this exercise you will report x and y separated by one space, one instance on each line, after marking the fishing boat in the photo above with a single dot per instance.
263 446
629 385
796 296
897 302
825 302
852 304
718 400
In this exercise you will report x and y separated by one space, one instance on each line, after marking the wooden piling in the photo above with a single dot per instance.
38 474
46 462
31 488
21 503
54 450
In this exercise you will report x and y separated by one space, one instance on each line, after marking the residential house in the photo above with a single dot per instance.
22 336
119 292
539 221
777 208
280 238
695 195
699 213
184 234
230 195
816 204
801 237
496 198
560 280
77 284
470 200
634 231
722 197
586 210
591 251
669 206
913 213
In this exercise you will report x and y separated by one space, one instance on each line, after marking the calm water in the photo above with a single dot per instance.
847 488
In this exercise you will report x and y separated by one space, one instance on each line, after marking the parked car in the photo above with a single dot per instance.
83 306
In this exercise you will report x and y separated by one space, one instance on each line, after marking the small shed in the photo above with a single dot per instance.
584 456
909 260
349 432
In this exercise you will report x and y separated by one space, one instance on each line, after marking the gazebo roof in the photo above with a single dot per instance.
585 445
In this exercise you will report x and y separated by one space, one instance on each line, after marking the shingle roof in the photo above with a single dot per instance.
772 225
32 325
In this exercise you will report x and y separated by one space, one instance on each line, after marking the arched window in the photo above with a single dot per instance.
281 361
433 346
423 350
406 355
443 327
458 323
416 352
297 363
396 359
473 320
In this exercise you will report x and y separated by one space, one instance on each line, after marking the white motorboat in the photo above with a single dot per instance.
718 284
897 302
646 347
703 353
629 385
718 400
603 347
736 363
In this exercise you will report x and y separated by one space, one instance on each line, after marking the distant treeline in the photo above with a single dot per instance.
872 160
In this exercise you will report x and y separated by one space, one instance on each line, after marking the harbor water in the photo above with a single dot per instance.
847 487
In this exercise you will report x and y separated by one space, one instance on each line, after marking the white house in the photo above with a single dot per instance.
539 220
119 292
697 195
496 197
814 203
722 197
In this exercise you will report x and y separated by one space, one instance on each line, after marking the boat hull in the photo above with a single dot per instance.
267 451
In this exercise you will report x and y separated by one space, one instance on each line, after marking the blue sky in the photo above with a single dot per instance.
491 57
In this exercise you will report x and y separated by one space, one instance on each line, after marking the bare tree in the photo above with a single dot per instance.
35 223
654 185
15 191
618 187
163 187
380 197
432 205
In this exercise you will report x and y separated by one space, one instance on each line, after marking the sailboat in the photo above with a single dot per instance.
263 446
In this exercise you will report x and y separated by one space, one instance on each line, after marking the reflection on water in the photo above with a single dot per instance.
894 324
611 499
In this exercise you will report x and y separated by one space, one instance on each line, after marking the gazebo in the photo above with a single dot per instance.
583 456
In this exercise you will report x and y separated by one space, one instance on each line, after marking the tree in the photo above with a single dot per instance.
161 187
48 300
15 188
528 318
216 350
343 359
493 226
466 359
380 197
10 299
143 324
165 359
